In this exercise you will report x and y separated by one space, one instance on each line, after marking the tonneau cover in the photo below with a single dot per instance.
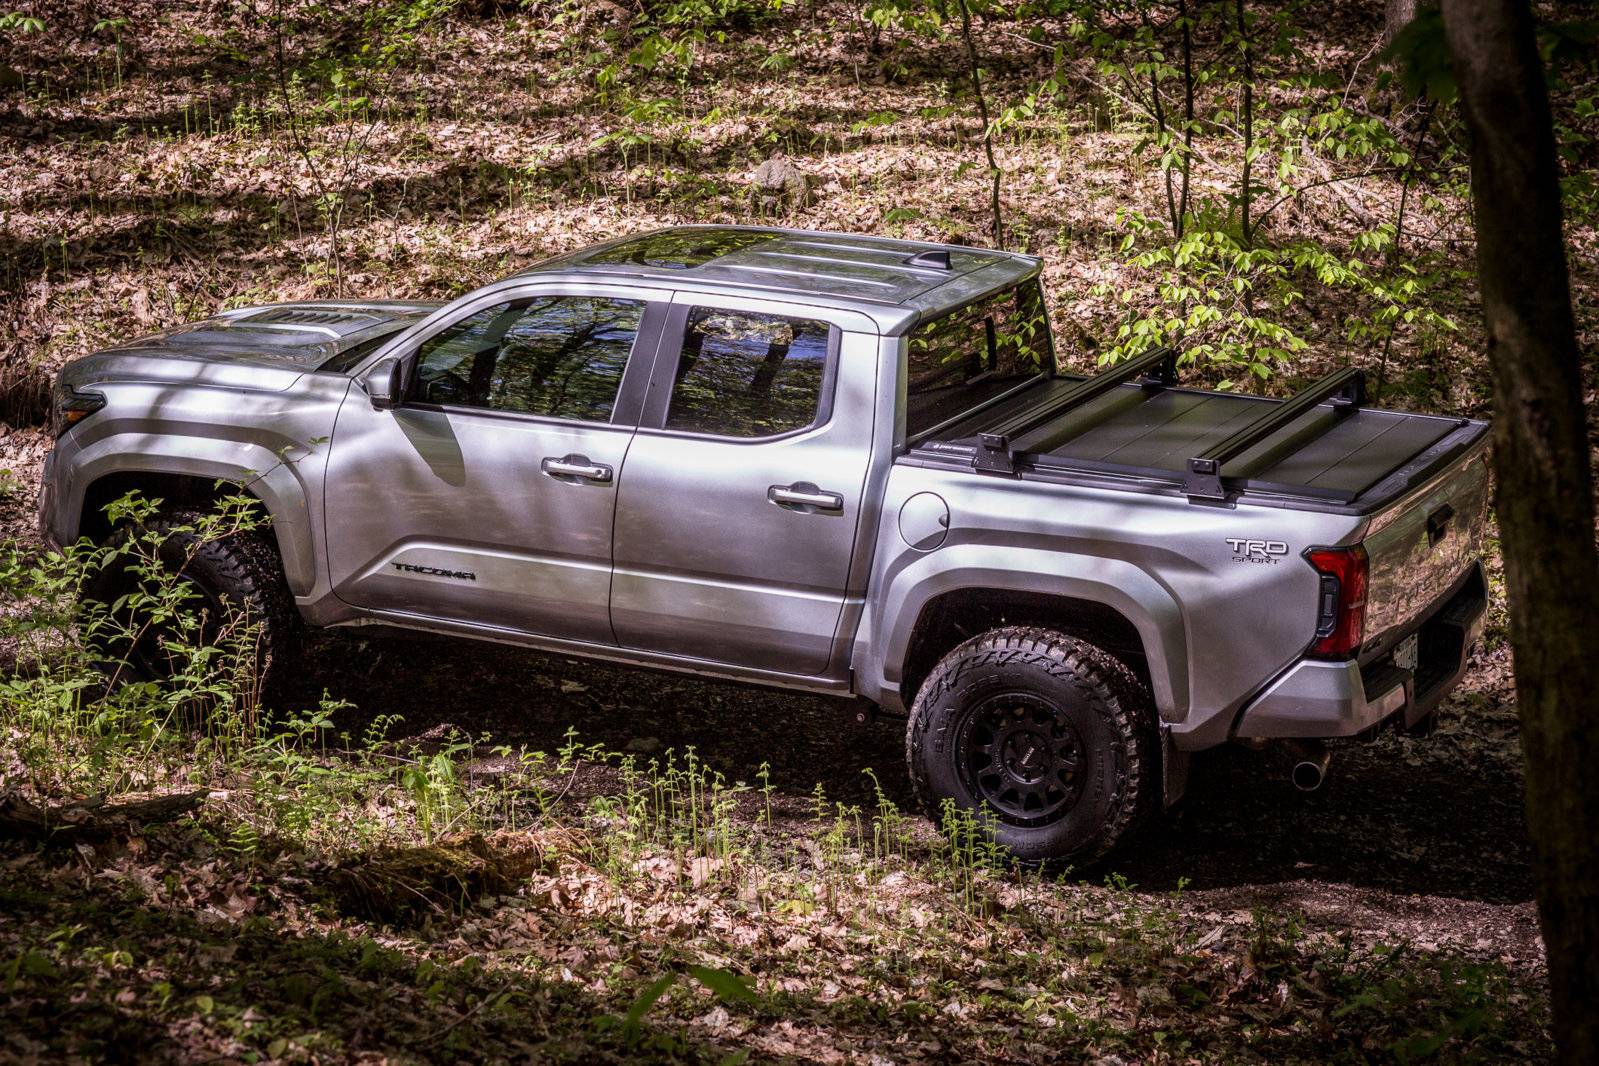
1332 453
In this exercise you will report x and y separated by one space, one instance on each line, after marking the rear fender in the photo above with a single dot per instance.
1116 584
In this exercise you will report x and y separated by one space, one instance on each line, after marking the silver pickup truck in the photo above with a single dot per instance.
831 463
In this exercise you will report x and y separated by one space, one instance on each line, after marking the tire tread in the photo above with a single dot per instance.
1109 686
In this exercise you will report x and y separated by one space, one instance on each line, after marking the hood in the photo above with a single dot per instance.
290 336
261 348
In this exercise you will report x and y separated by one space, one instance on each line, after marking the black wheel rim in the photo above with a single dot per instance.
1022 759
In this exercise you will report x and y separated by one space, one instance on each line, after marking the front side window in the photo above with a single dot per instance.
973 354
554 356
744 374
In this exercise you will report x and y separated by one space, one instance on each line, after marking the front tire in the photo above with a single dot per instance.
237 578
1047 738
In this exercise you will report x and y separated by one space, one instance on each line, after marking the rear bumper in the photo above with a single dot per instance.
1315 699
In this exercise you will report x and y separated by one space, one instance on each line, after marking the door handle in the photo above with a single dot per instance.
576 466
805 495
1438 524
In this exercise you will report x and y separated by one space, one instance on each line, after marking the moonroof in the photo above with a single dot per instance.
680 249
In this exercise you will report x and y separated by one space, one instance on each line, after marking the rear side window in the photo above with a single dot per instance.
554 356
743 374
973 354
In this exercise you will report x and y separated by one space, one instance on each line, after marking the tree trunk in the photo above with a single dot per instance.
1396 16
21 820
1545 504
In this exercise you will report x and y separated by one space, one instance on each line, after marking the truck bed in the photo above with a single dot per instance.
1335 454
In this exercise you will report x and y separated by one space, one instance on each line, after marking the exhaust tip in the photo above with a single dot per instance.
1309 767
1308 774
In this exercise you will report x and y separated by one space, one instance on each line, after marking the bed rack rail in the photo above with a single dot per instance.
1155 370
1347 390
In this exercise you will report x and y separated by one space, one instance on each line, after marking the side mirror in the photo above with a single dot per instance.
385 384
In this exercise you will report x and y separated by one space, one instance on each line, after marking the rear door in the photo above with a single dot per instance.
489 494
741 494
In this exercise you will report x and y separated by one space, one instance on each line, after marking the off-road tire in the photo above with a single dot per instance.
241 570
1095 699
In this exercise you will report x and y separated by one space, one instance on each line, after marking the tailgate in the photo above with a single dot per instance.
1419 546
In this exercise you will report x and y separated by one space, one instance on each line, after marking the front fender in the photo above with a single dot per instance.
277 482
1114 583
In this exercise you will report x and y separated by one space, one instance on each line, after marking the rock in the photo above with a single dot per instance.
779 186
406 884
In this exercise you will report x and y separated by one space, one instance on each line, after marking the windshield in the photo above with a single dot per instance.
347 359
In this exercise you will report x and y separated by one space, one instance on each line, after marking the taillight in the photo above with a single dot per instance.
1341 604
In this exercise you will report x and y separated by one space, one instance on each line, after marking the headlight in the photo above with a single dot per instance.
73 406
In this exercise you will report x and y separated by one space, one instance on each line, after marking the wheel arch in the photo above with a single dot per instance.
936 603
950 618
199 482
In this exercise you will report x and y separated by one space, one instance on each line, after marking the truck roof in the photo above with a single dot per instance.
843 269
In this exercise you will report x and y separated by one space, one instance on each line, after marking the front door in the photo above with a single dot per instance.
489 494
738 509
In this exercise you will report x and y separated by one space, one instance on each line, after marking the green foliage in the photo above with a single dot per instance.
1573 59
1230 306
15 22
668 37
1216 277
728 987
89 724
1421 54
84 721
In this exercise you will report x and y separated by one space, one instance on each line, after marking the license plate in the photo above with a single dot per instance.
1406 655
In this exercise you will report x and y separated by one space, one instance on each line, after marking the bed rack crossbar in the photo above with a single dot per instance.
1347 390
1156 370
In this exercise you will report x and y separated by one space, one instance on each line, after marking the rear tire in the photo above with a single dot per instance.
237 577
1049 739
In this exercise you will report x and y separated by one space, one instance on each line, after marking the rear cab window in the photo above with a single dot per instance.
974 355
750 375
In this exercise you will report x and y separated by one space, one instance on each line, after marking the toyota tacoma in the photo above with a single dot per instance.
835 464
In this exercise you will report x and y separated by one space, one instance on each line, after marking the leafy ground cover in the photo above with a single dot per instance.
164 161
346 892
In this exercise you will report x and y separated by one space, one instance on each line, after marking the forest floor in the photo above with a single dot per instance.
1387 916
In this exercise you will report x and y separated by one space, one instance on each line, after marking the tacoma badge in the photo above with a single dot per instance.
433 571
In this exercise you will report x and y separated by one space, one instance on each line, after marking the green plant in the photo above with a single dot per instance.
114 26
435 788
726 986
90 723
17 22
